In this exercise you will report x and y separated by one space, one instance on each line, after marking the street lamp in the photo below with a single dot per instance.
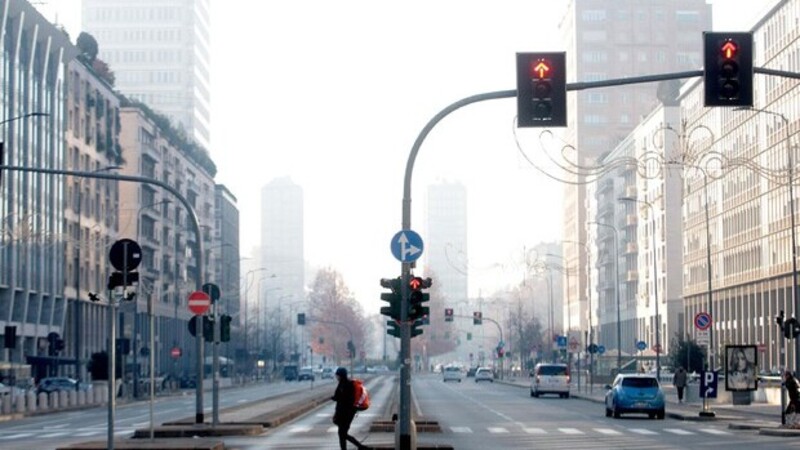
616 290
655 279
790 163
247 286
78 307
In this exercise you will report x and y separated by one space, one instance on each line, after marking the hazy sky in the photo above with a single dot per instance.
333 95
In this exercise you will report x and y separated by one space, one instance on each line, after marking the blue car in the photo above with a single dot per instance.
635 393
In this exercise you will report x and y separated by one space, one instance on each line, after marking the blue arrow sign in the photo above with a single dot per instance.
641 345
406 246
708 384
562 341
601 349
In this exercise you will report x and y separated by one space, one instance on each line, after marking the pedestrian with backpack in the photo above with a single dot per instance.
345 409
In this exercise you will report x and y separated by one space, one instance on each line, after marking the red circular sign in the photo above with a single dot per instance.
199 302
176 352
657 348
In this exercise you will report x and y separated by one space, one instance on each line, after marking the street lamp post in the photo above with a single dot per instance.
78 307
616 290
655 280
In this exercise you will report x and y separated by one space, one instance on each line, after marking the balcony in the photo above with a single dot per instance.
631 247
632 275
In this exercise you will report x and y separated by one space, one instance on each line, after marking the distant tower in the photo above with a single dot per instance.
159 53
446 240
282 252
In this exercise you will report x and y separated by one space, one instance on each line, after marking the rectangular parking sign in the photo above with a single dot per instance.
708 384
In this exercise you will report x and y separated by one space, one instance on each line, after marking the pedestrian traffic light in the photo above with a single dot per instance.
393 297
477 318
225 328
416 298
301 318
728 69
448 314
541 89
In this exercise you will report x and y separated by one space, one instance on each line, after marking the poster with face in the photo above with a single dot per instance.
741 365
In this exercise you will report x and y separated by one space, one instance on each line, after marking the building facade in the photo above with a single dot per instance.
446 251
159 51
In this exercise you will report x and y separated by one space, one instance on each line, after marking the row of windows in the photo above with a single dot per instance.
624 15
142 56
125 36
682 59
129 14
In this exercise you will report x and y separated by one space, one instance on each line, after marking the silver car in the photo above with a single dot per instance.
451 373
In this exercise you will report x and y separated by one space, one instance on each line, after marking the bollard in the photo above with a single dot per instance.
6 405
63 399
73 399
81 398
19 403
31 401
44 401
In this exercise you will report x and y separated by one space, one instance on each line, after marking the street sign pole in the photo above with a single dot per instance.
215 365
198 418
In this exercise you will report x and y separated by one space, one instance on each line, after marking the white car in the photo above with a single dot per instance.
550 379
451 373
484 374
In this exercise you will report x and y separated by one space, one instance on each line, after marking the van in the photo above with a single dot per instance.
550 379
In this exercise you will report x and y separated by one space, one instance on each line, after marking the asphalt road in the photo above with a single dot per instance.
57 429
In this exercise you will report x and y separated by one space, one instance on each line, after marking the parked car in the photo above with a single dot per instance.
327 372
10 390
57 384
289 372
484 374
471 371
451 373
550 379
306 373
635 393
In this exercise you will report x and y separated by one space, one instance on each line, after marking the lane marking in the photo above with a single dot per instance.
678 431
497 430
570 431
461 429
333 429
535 430
52 435
16 436
643 431
608 431
300 429
713 431
86 434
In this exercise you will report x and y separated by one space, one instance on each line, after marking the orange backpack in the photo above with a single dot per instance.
361 395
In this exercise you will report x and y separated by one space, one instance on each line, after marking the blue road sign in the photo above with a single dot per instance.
708 384
702 321
406 246
641 345
601 349
562 341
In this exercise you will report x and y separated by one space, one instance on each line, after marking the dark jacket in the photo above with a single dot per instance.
679 379
793 389
345 398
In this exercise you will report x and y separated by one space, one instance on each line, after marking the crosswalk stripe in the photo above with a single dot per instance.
497 430
333 429
608 431
86 434
535 431
461 429
300 429
16 436
570 431
642 431
52 435
713 431
678 431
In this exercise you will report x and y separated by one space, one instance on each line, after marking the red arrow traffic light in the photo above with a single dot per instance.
729 49
541 69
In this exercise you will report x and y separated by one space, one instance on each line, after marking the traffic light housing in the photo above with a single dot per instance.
352 349
225 328
415 327
208 327
477 318
301 318
393 297
448 314
541 89
416 298
10 336
791 328
728 69
393 329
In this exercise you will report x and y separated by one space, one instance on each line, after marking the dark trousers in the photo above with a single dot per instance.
344 428
680 392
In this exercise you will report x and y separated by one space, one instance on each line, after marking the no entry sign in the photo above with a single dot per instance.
199 302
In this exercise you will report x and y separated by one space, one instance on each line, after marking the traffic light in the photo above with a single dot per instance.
208 329
10 336
415 327
301 318
477 318
541 89
225 328
416 311
791 328
779 320
59 345
728 69
393 310
448 314
352 349
393 328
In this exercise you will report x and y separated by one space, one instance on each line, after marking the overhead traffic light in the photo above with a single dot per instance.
541 89
225 328
728 69
393 297
477 318
448 314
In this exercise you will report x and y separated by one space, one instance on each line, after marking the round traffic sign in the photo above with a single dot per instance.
406 246
175 352
199 302
601 349
657 348
702 321
125 254
641 345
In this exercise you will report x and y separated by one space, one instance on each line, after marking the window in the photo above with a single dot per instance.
594 15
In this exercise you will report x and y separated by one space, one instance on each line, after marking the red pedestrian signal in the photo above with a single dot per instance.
541 90
728 69
448 314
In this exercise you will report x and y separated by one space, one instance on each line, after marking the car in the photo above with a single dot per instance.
327 372
10 390
289 372
58 384
451 373
306 373
471 371
550 378
635 393
484 374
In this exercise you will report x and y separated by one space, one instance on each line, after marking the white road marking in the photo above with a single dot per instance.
608 431
497 430
535 431
86 434
713 431
333 429
52 435
16 436
570 431
642 431
300 429
461 429
678 431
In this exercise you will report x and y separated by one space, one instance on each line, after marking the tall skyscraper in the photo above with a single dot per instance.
282 250
607 39
159 53
446 240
